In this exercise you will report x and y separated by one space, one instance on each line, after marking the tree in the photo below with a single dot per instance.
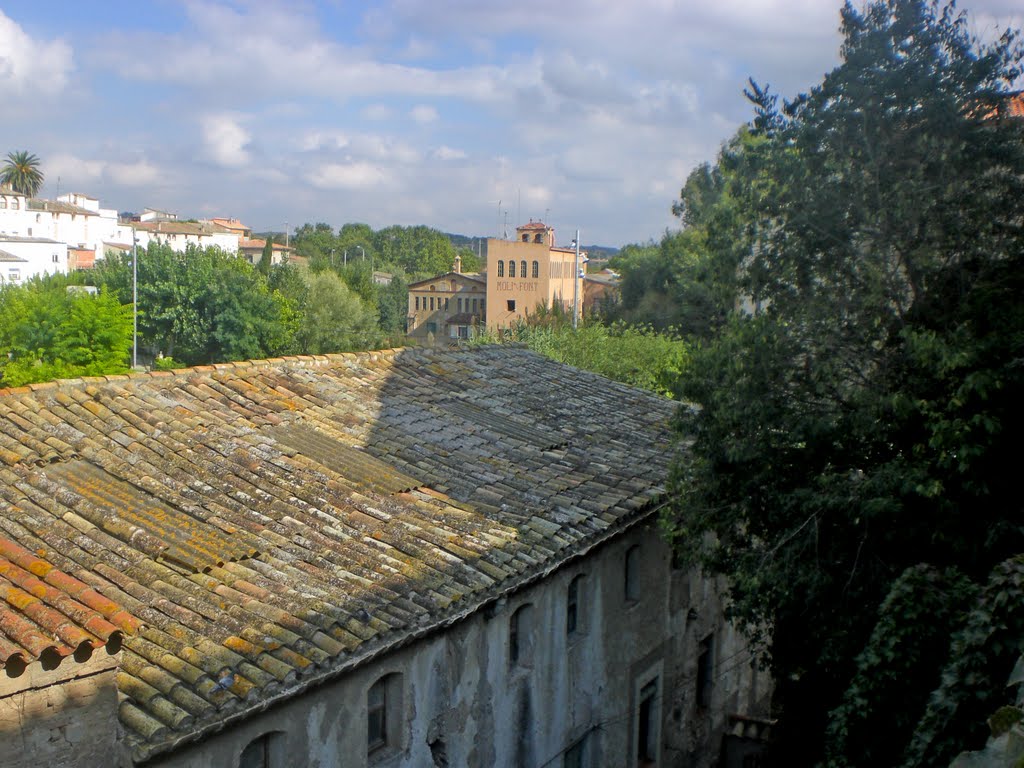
48 331
267 257
851 450
202 305
21 172
333 318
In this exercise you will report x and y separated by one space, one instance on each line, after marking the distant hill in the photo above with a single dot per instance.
596 252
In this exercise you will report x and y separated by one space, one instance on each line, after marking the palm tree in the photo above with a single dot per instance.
21 172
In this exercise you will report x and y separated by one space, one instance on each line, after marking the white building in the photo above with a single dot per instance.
22 258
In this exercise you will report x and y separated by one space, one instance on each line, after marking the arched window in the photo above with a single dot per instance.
511 267
522 270
520 636
536 269
526 237
632 574
384 714
262 752
538 238
501 268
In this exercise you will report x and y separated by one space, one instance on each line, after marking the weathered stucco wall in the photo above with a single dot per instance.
62 718
464 703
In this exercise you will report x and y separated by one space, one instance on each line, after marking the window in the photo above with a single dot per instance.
705 671
632 575
536 269
431 303
417 303
261 752
446 305
483 306
511 303
526 237
538 238
474 306
3 202
460 300
15 205
647 726
377 715
511 267
431 327
520 636
501 268
56 258
522 268
384 714
14 275
573 596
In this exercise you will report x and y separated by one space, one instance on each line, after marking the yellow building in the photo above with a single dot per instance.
529 271
450 305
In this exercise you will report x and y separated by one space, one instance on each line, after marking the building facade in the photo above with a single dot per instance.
449 306
529 272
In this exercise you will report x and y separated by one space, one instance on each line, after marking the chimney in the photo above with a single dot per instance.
457 266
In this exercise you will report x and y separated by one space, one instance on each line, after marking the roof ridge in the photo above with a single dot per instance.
314 360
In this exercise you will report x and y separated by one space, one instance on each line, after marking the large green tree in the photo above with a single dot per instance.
48 331
201 305
22 173
852 467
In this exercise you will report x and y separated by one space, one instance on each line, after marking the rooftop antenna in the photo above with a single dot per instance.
519 205
504 233
547 216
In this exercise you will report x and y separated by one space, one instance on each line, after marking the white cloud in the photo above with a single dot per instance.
377 112
447 153
141 173
30 66
353 175
225 140
423 114
315 140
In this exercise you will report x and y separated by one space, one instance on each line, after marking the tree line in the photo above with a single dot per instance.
205 305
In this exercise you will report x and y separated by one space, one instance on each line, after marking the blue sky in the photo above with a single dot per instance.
588 114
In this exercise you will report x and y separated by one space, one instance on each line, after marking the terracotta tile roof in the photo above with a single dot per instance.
273 523
259 245
472 277
59 206
540 225
178 228
47 615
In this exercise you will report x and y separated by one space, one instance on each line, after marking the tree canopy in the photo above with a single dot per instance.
853 450
21 172
51 330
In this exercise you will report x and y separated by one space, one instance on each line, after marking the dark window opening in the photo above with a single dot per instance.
522 269
520 634
705 671
511 305
572 605
632 574
647 726
511 268
377 715
501 268
536 269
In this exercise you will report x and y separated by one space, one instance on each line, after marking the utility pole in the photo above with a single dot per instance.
135 301
576 284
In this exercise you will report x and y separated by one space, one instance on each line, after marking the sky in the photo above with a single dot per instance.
470 116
